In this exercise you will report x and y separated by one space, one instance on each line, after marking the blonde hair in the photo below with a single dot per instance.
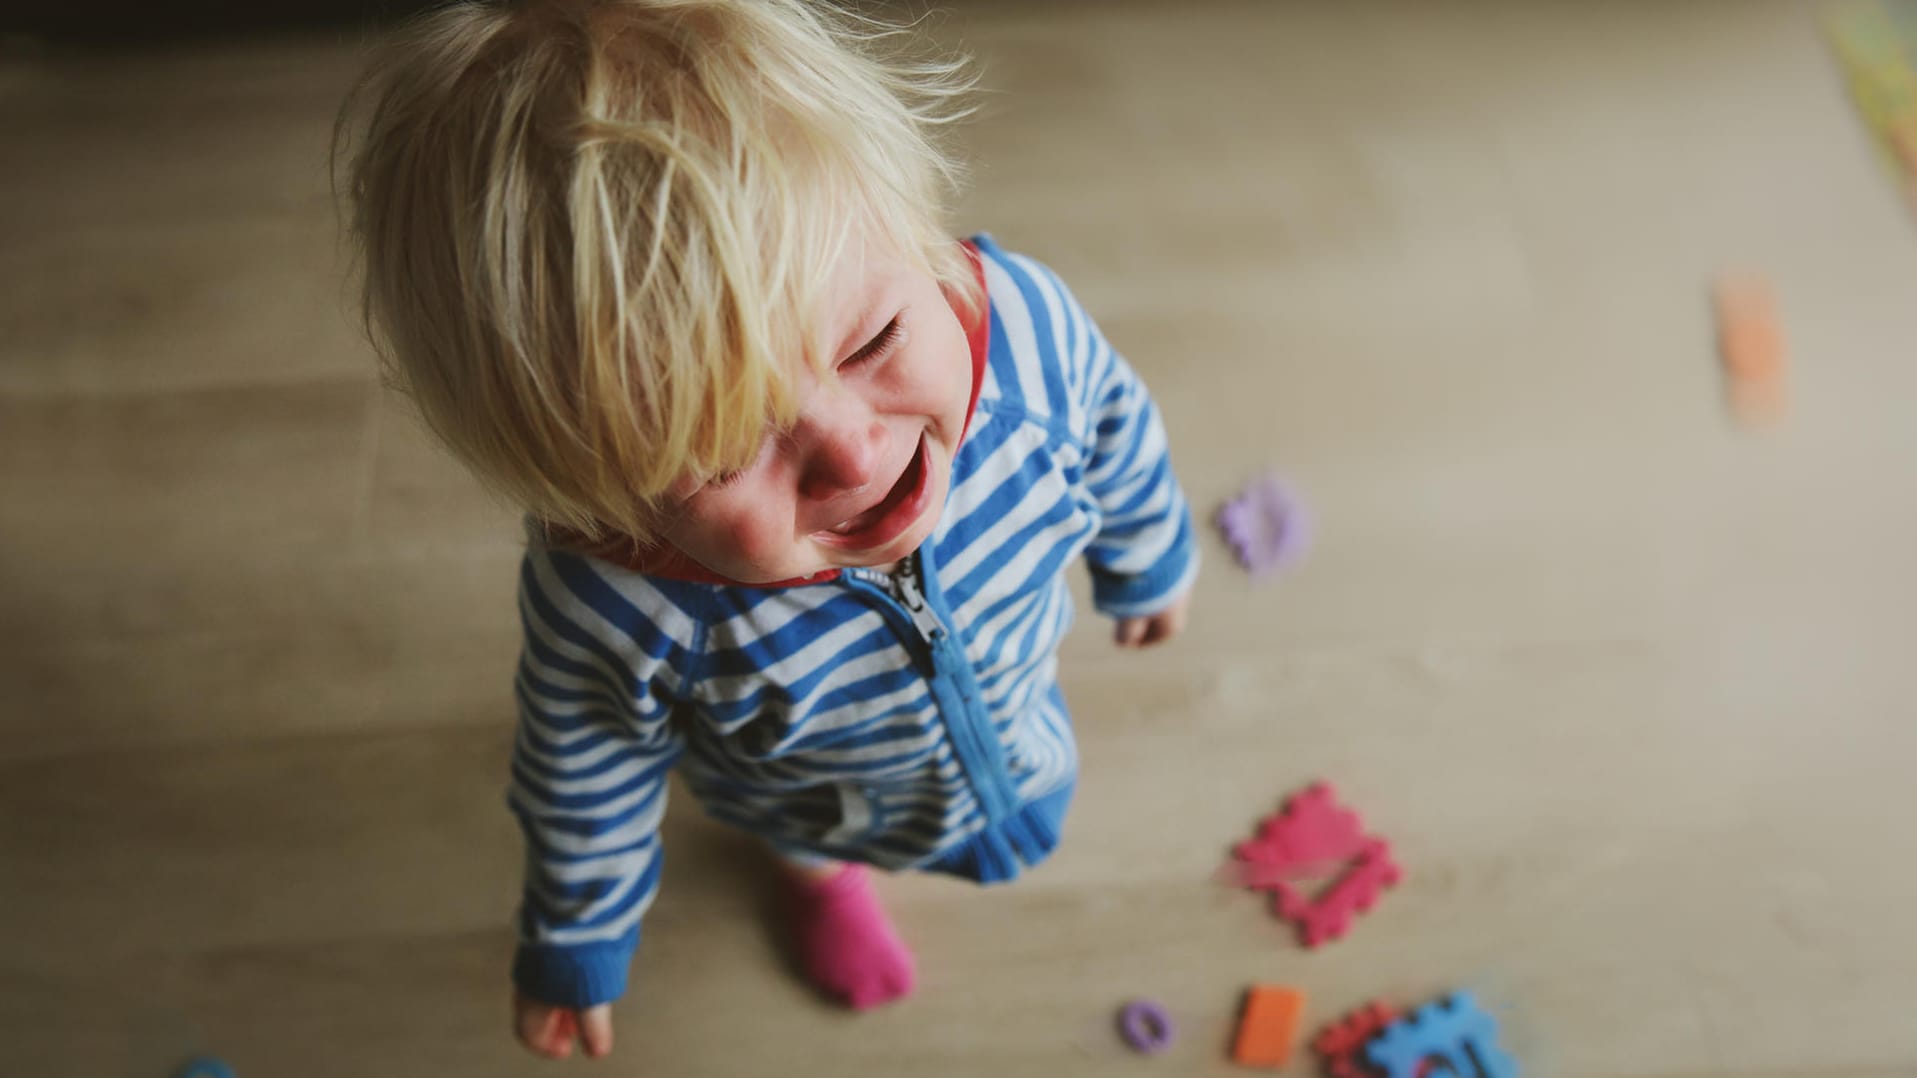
594 234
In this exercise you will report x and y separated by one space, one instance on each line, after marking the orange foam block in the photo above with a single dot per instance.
1750 341
1269 1026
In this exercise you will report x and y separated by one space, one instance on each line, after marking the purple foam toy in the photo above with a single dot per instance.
1266 526
1146 1027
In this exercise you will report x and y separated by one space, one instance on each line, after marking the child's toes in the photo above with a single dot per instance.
899 984
882 989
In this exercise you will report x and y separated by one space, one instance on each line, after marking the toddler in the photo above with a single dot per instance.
802 473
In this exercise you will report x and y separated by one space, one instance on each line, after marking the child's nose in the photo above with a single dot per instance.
846 452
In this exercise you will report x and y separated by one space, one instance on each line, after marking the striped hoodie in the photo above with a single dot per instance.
907 720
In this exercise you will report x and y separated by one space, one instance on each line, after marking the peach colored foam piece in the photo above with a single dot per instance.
1750 341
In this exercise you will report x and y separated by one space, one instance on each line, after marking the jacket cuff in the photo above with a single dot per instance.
583 976
1140 594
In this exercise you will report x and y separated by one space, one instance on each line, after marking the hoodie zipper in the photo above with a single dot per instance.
905 588
973 735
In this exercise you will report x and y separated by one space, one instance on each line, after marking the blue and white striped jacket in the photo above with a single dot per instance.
908 721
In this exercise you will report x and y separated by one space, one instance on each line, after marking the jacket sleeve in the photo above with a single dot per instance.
1144 555
598 675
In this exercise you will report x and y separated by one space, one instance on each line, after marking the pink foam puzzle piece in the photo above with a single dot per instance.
1311 835
1329 915
1315 837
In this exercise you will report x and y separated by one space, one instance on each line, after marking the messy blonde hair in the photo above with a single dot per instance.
595 233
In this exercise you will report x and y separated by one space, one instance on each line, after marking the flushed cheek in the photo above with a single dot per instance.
740 541
954 387
761 540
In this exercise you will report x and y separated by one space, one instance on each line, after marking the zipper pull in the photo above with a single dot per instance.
905 588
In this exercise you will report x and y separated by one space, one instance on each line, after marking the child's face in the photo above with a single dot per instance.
860 477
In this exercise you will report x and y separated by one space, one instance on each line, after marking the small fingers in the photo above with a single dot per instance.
1172 622
1153 629
595 1029
544 1030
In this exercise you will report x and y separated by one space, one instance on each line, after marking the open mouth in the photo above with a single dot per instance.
895 513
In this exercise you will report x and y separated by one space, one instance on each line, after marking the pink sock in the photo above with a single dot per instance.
851 950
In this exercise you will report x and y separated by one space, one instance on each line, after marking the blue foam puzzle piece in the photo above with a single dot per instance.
1454 1031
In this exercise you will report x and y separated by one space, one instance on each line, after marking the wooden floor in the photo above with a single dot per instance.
1634 692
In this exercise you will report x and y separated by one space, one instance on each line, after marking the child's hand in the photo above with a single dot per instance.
1149 629
549 1031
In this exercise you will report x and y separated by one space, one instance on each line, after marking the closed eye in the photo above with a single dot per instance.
774 441
880 345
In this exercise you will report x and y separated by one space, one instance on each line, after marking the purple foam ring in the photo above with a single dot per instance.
1146 1026
1266 526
